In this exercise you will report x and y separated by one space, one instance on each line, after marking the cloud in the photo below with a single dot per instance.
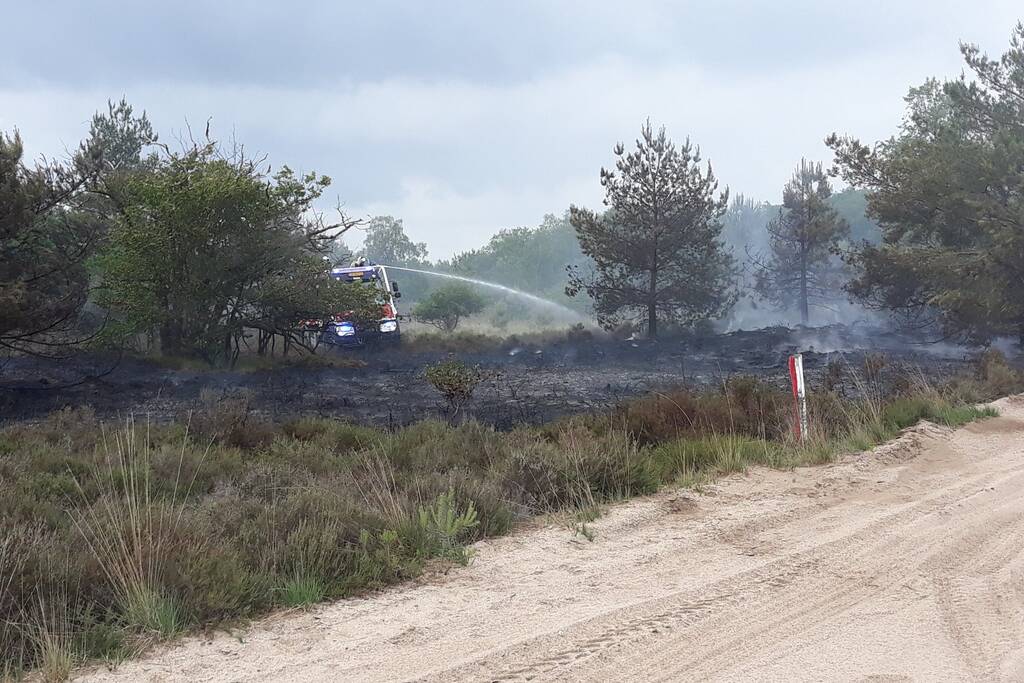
464 122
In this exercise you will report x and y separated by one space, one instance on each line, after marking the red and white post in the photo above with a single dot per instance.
796 375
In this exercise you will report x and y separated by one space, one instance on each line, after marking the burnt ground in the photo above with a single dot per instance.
529 384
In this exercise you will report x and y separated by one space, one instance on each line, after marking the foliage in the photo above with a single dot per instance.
387 243
455 381
851 204
657 251
949 194
445 527
44 243
742 405
529 259
301 591
745 220
207 246
339 253
801 269
743 225
123 137
447 305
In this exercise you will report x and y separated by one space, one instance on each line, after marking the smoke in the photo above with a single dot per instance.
746 237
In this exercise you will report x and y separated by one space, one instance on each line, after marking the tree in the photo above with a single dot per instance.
657 251
44 244
387 243
852 206
447 305
743 225
122 136
207 246
530 259
801 269
948 191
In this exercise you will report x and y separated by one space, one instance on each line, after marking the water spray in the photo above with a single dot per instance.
494 285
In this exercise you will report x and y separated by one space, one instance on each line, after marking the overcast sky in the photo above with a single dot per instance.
466 117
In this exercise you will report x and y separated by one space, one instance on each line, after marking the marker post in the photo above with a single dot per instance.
796 376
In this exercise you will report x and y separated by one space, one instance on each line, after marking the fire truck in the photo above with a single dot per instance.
344 331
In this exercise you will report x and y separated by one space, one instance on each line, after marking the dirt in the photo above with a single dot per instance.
529 383
904 563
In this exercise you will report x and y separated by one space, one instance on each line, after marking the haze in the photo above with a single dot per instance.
464 118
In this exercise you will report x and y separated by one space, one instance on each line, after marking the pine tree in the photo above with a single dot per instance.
657 250
802 269
44 244
948 192
122 136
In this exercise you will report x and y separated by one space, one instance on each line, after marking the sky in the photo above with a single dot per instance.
463 118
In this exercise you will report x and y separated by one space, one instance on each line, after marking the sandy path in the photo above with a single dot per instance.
903 564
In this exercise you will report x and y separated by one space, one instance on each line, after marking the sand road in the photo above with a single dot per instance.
906 563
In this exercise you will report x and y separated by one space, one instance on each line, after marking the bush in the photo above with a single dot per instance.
455 381
743 405
228 418
446 306
997 375
697 458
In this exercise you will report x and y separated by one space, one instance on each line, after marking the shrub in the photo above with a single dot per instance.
743 405
997 375
300 591
463 341
442 527
447 305
228 418
455 381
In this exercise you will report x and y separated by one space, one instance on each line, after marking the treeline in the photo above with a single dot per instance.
536 260
195 250
947 194
198 249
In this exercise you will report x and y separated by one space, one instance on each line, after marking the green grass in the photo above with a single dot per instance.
149 611
698 458
301 591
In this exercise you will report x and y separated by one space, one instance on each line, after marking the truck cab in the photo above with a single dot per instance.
343 331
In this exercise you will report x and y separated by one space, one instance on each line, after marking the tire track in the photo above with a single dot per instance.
684 610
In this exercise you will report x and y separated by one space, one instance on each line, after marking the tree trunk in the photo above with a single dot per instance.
170 338
652 307
804 312
805 315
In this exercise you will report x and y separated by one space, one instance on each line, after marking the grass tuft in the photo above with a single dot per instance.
302 591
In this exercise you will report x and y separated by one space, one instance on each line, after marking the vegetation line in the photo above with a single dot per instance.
228 516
